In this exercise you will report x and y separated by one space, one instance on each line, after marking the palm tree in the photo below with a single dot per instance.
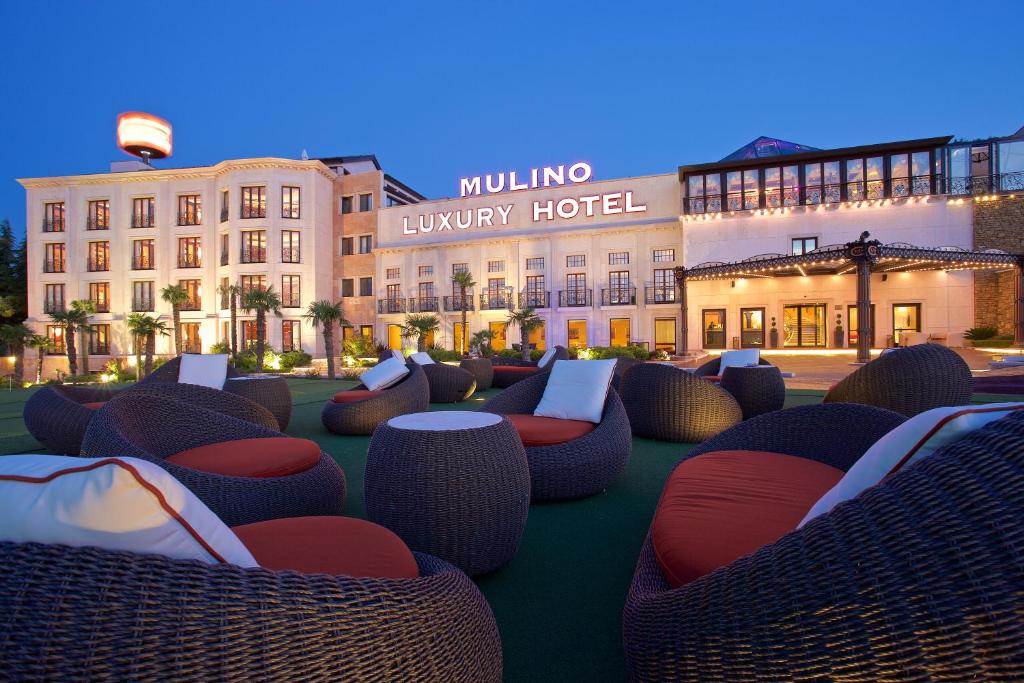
70 320
42 344
82 310
528 321
481 341
16 337
325 313
232 292
261 300
145 327
419 325
176 296
463 279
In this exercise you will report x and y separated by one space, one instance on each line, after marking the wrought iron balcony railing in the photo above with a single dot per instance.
575 298
97 223
290 300
143 220
534 299
195 304
254 255
52 306
423 304
289 255
253 211
143 263
660 294
496 301
140 304
391 305
223 214
618 296
189 262
53 225
97 264
53 265
986 184
101 306
455 303
224 259
190 218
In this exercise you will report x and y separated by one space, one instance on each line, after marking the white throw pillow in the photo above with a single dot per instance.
917 438
122 504
576 390
546 358
739 359
397 355
206 370
422 358
384 374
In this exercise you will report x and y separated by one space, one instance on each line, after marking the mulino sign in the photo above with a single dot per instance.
585 205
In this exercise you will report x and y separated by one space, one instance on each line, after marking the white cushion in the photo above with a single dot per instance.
422 358
546 358
384 374
917 438
206 370
576 390
397 355
122 504
739 359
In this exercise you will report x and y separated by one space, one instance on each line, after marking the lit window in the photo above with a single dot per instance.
495 266
366 286
618 258
426 271
289 202
366 202
804 245
664 255
576 261
393 273
535 263
365 244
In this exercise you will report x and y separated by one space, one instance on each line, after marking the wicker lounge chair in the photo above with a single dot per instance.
71 613
448 384
482 370
622 365
154 427
917 578
908 380
57 416
508 371
168 372
712 367
669 404
574 469
411 395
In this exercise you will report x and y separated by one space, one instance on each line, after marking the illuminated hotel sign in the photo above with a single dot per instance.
606 204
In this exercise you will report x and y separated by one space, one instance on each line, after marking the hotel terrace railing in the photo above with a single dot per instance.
101 306
423 304
660 295
535 299
140 304
190 218
96 223
254 255
143 220
53 265
194 304
568 298
142 263
289 255
53 225
618 296
54 306
454 303
97 264
253 211
189 261
496 301
391 305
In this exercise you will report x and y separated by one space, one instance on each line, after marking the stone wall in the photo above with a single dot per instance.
998 224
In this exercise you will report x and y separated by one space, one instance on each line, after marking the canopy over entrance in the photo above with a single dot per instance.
862 257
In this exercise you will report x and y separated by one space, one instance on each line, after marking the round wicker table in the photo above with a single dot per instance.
454 484
758 389
270 391
482 370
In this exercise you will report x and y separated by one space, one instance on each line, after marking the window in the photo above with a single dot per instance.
394 292
289 202
366 286
618 332
905 318
664 255
366 331
577 334
225 197
346 204
752 328
290 335
576 292
98 217
499 334
804 326
225 249
536 296
704 193
254 246
143 254
254 202
99 257
366 202
54 259
742 188
535 263
713 326
495 266
855 179
247 283
782 186
426 271
99 340
392 273
576 261
348 287
191 341
899 180
460 268
495 295
54 298
346 246
620 293
618 258
190 209
821 182
290 293
920 183
803 245
99 295
55 333
290 251
665 334
53 217
189 252
142 296
427 298
248 334
225 295
874 172
365 244
143 212
194 290
664 290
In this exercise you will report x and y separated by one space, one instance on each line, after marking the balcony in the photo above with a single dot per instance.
97 264
423 304
223 214
194 304
143 263
142 304
53 266
290 255
190 218
575 298
224 258
52 306
254 255
143 220
253 211
455 303
96 223
985 184
290 300
391 305
53 225
189 262
660 295
535 299
101 306
496 301
618 296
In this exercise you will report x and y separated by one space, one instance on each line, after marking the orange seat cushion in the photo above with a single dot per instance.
271 457
548 431
355 395
94 405
715 379
718 507
341 546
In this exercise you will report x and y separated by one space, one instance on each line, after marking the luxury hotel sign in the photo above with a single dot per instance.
604 204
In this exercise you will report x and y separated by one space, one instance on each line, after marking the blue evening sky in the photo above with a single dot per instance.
439 90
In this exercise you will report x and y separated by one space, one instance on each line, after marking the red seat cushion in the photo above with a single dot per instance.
521 369
271 457
342 546
715 379
718 507
94 405
355 395
548 431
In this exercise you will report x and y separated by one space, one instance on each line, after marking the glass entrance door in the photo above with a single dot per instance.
714 328
395 337
577 334
752 328
905 318
803 326
851 325
619 332
536 338
665 334
499 330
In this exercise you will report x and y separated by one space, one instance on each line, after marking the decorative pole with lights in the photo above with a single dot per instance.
864 253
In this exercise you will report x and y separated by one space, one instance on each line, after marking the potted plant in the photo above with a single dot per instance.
773 335
839 338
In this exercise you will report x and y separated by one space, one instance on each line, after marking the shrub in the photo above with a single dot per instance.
603 352
440 355
359 346
221 347
982 332
294 359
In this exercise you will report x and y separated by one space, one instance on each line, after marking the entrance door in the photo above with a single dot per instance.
577 334
804 327
395 337
851 325
499 341
752 328
905 318
714 328
536 338
619 332
665 334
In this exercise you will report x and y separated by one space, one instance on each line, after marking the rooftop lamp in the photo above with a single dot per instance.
144 135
